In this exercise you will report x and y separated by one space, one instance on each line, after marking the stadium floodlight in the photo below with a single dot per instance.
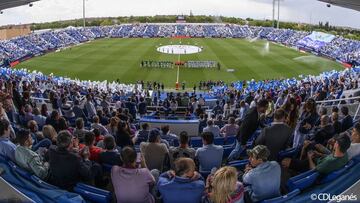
84 21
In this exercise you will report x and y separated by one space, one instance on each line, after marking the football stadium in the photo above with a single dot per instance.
252 103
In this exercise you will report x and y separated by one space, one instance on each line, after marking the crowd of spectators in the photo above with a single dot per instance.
81 128
344 50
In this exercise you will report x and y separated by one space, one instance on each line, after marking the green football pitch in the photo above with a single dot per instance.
112 59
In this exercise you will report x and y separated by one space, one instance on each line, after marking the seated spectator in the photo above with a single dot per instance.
323 162
78 111
261 176
244 107
219 121
185 179
143 134
277 137
50 133
110 156
335 122
123 137
224 187
112 126
63 125
67 109
347 121
97 125
230 129
66 167
28 159
132 184
172 139
33 127
154 151
98 136
354 149
40 119
217 108
7 148
214 129
324 132
28 113
80 131
89 141
53 120
182 151
210 155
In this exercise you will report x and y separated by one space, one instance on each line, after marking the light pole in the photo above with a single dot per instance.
84 21
278 20
273 14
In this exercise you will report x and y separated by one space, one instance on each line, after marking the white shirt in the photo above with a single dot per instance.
354 150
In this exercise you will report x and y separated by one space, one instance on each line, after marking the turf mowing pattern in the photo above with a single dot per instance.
111 59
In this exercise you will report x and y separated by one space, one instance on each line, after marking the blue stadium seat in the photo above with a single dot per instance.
227 151
356 159
230 140
250 142
93 194
240 165
219 140
284 198
335 174
302 181
20 171
196 142
288 153
90 196
42 183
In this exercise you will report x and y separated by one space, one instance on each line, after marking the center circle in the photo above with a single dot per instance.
179 49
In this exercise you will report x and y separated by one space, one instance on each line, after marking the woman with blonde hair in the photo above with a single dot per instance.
112 126
50 133
223 187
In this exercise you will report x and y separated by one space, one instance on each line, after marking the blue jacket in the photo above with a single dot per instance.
179 190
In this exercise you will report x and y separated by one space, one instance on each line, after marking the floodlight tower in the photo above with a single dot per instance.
84 21
278 20
273 14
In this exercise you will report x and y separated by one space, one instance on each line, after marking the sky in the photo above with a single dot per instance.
305 11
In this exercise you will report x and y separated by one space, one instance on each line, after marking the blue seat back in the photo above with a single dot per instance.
230 140
240 165
219 141
288 153
284 198
227 151
20 171
93 194
196 142
302 183
42 183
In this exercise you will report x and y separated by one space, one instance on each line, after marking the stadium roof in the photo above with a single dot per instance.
5 4
352 4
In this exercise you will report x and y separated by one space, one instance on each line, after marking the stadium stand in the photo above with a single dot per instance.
70 120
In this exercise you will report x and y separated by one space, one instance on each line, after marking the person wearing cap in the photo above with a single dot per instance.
261 177
320 158
154 151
